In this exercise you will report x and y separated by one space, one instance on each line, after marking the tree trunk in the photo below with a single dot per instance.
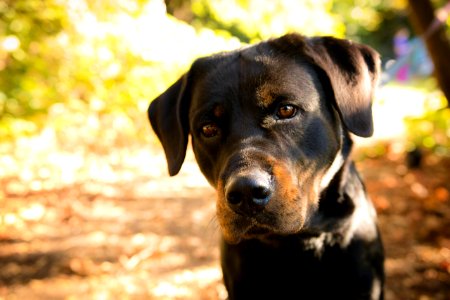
421 16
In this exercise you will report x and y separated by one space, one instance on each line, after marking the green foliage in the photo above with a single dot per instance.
104 59
431 130
373 22
29 55
254 20
60 60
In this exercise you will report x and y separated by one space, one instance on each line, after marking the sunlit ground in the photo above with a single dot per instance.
118 224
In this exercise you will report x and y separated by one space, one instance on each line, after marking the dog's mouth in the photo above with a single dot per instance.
257 231
244 229
258 227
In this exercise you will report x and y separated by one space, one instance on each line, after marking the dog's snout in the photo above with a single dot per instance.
249 193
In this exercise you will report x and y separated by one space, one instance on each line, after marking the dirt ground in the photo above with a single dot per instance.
124 230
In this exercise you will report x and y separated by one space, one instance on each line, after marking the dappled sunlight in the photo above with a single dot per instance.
87 208
150 34
262 22
393 105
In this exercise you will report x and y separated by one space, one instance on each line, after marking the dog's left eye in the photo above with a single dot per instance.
210 130
286 111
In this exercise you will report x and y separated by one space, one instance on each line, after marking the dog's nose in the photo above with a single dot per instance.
249 193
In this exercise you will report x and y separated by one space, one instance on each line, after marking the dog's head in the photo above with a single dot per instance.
267 125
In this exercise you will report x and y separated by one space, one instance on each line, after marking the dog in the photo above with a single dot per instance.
271 126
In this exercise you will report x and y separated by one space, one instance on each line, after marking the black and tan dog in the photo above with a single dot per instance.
270 127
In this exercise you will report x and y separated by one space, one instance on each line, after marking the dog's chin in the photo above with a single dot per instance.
249 228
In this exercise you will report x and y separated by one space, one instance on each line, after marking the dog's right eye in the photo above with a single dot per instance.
210 130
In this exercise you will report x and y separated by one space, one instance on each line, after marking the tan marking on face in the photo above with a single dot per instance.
265 94
286 186
219 111
288 203
310 186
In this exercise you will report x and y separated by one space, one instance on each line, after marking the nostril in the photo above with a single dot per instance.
234 197
261 195
260 192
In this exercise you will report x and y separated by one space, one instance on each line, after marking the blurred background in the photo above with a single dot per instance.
87 210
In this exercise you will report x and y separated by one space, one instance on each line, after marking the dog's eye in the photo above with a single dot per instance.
210 130
286 111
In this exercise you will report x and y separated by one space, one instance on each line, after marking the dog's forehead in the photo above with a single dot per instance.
257 73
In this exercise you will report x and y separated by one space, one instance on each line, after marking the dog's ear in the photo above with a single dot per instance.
168 116
353 70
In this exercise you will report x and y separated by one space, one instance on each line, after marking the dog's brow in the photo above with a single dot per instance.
212 110
265 94
268 95
218 110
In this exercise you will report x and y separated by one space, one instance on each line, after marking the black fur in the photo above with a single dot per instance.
270 127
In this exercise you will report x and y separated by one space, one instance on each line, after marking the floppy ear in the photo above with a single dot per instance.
168 116
353 70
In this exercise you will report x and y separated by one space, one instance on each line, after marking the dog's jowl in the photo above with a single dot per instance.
271 129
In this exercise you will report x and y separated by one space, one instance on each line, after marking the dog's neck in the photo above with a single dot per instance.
340 158
335 203
335 189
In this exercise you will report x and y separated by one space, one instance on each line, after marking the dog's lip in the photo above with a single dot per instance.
259 226
257 229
